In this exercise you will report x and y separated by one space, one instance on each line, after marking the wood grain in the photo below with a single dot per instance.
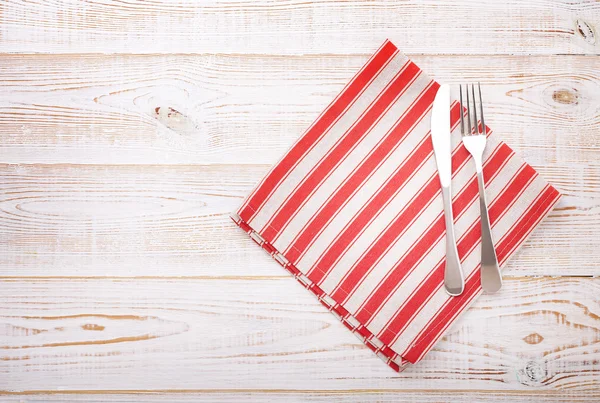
299 27
539 335
351 396
223 109
134 220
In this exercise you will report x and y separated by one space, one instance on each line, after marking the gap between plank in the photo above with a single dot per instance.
536 392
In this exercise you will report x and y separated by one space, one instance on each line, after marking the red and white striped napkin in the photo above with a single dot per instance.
353 210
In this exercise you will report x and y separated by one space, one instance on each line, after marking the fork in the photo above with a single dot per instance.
474 139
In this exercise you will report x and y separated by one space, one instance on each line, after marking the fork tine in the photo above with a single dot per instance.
462 119
474 110
481 110
468 111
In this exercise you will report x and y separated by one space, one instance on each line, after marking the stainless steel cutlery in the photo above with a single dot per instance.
474 135
474 138
440 136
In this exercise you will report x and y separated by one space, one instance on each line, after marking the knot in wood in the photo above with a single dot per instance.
586 31
566 96
533 373
533 338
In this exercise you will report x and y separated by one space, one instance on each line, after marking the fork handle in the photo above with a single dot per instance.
454 280
491 279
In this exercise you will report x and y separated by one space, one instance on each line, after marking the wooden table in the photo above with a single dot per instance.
129 130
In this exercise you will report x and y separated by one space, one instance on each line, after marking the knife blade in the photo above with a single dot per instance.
440 134
454 281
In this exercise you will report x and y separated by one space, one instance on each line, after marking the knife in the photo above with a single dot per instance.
454 280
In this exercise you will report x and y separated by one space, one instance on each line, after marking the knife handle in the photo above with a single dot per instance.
491 279
454 280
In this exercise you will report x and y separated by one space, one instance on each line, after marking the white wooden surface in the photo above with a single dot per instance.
129 130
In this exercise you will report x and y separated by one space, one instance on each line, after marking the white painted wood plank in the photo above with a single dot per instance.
299 27
96 109
126 221
537 335
350 396
132 220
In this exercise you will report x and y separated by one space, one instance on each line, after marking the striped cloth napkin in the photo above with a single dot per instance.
353 210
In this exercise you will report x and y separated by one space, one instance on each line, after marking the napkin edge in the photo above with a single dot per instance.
391 358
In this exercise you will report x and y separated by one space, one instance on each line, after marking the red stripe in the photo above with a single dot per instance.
377 203
336 109
429 286
354 183
340 151
455 305
434 233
